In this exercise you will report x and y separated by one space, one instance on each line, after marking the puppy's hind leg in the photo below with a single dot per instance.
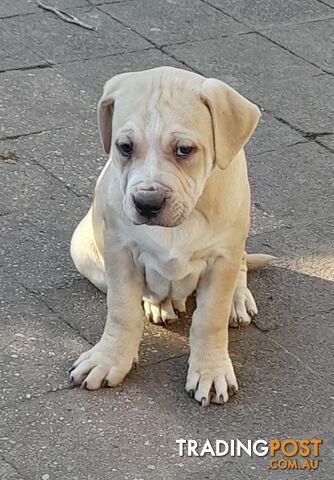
243 305
85 255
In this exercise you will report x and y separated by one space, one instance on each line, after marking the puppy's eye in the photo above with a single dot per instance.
184 150
125 148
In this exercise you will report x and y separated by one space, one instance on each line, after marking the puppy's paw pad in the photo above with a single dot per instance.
243 308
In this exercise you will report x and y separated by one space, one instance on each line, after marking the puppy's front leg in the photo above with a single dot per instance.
211 375
111 359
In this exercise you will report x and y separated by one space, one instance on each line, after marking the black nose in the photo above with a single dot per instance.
148 204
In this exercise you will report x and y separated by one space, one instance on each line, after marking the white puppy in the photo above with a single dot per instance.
170 216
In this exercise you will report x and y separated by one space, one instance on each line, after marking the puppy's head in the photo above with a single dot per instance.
166 130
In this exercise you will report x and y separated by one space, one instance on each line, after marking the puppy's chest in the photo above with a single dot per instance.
170 274
172 263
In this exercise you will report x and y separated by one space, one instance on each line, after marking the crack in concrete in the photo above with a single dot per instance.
216 37
39 297
55 177
49 64
315 135
40 165
163 360
328 72
37 132
13 466
28 67
326 147
300 142
17 15
278 149
286 122
52 65
155 45
275 342
4 214
97 57
21 42
307 135
295 24
251 30
259 32
70 386
70 283
325 3
106 2
36 396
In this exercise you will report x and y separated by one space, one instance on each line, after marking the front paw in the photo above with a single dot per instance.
211 378
104 365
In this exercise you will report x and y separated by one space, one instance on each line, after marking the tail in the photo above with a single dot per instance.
258 260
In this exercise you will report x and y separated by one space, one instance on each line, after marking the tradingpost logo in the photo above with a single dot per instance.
287 454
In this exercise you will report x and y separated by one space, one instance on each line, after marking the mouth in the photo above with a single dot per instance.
156 222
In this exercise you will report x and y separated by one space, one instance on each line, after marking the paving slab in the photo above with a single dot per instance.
50 156
151 411
39 220
102 2
91 75
28 187
270 135
168 22
327 141
58 41
73 155
294 296
36 346
14 54
268 75
306 247
118 430
296 309
270 12
9 8
312 41
41 259
38 100
294 183
8 472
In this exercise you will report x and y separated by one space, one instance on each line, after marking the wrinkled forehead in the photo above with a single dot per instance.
162 104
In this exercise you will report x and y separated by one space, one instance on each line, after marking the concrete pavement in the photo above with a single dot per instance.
278 54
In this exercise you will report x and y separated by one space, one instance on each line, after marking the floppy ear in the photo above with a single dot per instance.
234 119
105 111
